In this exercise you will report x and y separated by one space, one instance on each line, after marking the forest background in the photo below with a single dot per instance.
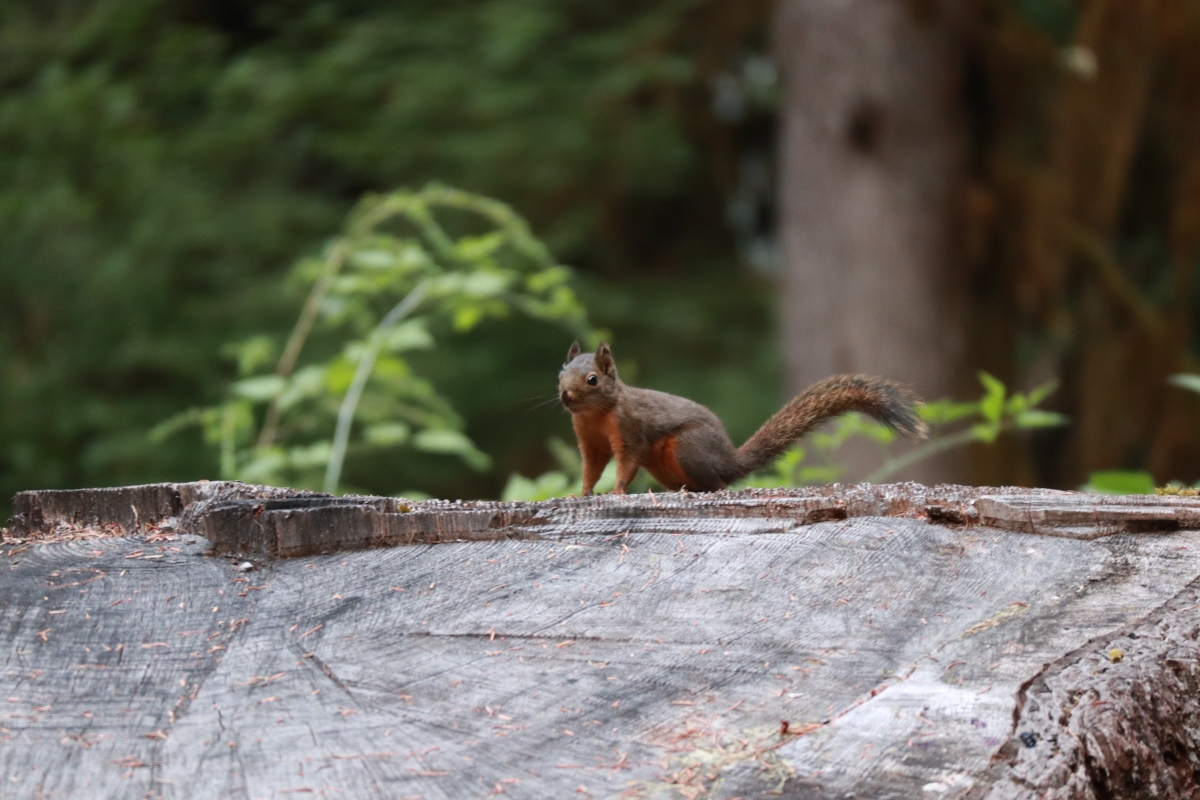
1030 171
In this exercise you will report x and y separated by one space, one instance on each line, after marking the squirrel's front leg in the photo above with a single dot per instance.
594 450
627 468
593 465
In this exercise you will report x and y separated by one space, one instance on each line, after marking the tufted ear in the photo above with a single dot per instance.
573 351
604 359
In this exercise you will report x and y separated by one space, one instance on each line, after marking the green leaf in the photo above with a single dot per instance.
253 354
474 248
1037 418
1186 381
229 425
306 382
986 431
1016 404
467 318
452 443
784 468
260 388
847 426
307 270
992 403
942 412
827 474
410 335
387 434
608 478
873 429
340 372
1039 394
264 467
313 455
823 441
412 257
761 480
392 371
545 487
546 279
443 441
484 283
519 488
1120 482
352 284
373 259
566 455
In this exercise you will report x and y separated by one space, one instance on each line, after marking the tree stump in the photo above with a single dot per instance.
218 639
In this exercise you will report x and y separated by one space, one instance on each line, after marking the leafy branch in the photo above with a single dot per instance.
438 254
999 412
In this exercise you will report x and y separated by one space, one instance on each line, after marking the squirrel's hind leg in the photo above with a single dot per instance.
707 458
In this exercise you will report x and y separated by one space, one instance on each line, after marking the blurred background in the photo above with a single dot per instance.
752 196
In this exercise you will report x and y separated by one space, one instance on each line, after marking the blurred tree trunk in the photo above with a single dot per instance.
1125 343
1098 228
872 161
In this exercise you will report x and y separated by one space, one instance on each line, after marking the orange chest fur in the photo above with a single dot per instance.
598 432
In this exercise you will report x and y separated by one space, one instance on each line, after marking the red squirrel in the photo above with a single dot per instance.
683 444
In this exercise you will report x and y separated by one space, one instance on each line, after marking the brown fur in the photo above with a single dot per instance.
664 465
683 444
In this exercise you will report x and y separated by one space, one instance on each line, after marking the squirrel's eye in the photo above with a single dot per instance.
593 380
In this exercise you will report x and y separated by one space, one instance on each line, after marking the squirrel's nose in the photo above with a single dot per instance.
566 396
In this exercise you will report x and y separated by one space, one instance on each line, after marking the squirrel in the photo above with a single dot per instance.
683 444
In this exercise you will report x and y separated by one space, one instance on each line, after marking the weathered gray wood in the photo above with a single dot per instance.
292 528
127 507
646 646
1088 516
1117 718
265 522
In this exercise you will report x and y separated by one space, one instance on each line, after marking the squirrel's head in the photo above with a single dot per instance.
588 380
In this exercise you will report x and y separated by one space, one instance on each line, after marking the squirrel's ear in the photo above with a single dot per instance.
604 359
574 351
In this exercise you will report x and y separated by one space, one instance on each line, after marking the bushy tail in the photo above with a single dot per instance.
887 402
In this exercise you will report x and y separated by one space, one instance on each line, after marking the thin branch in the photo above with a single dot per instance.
366 363
312 305
295 343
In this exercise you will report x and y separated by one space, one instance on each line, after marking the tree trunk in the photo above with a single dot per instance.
871 163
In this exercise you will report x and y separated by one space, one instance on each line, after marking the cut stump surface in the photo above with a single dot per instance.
917 642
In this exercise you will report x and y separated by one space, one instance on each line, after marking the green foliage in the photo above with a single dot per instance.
434 254
161 165
816 461
1117 481
979 421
